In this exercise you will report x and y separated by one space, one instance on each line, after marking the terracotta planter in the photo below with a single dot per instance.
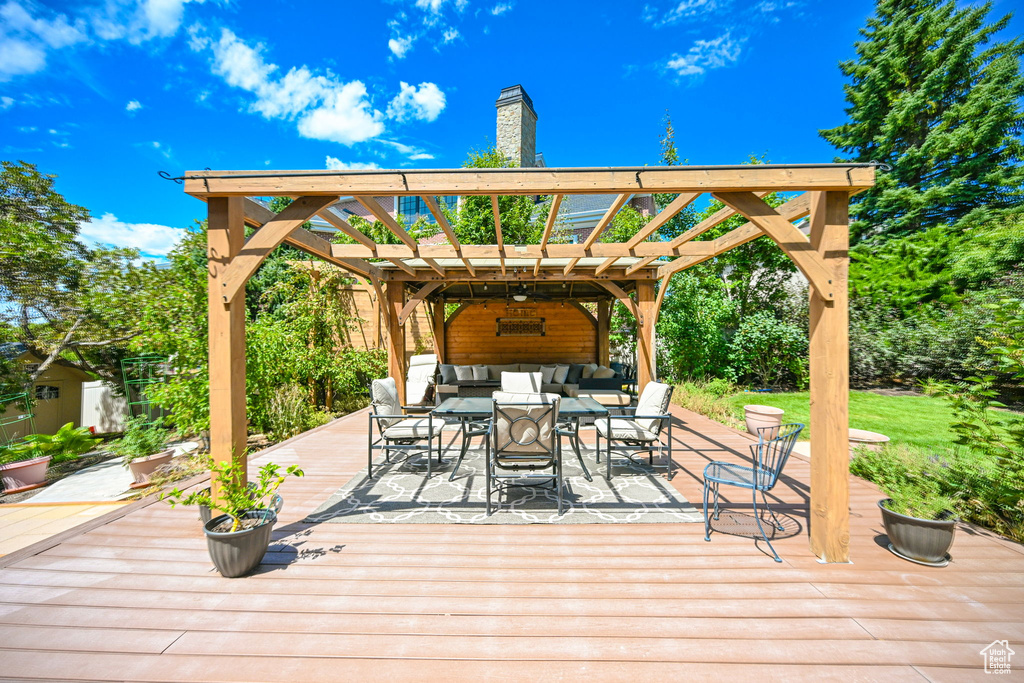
238 553
762 416
25 475
143 468
924 541
861 438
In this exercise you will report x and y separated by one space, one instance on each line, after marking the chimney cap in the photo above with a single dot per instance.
512 94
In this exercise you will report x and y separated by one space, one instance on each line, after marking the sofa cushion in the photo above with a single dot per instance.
496 370
521 382
547 372
463 372
588 370
603 373
448 374
575 372
552 388
529 367
606 397
480 372
561 372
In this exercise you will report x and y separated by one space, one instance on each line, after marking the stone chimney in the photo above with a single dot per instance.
517 126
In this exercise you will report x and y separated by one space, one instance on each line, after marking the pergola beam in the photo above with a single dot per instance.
497 232
674 207
371 205
524 251
530 181
606 219
556 202
442 221
421 294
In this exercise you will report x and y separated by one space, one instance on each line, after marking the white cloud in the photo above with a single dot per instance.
451 34
401 45
501 8
430 5
138 20
420 156
336 164
26 40
150 239
325 107
6 102
424 102
707 54
685 9
133 105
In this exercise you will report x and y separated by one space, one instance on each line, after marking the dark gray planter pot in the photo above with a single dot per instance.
925 541
237 553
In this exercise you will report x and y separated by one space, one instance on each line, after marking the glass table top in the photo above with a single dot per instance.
477 406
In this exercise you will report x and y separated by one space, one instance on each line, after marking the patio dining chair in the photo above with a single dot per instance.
770 453
639 429
397 431
524 445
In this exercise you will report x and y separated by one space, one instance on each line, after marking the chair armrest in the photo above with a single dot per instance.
651 417
416 408
400 416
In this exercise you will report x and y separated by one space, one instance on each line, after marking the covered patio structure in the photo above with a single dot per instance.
408 273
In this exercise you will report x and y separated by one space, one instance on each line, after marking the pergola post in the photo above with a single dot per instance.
604 328
438 329
646 366
829 518
225 237
396 335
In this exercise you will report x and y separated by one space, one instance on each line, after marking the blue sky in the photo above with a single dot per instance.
107 93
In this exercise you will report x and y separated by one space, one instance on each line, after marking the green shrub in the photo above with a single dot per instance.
769 351
68 443
289 413
913 478
141 438
709 399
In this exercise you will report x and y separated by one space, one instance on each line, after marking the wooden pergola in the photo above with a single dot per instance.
405 274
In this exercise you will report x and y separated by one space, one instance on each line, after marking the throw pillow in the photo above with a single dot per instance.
561 372
521 382
463 372
546 373
575 372
603 373
479 372
588 370
448 374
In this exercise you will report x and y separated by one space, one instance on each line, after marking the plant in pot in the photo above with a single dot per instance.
142 448
237 539
23 465
917 515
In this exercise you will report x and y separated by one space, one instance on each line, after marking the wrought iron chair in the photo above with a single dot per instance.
639 429
396 431
523 445
770 453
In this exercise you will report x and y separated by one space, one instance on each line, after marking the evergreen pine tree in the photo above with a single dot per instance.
933 99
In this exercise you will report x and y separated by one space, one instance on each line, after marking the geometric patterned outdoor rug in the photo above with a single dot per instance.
400 493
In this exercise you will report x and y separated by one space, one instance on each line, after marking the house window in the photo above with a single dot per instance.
414 207
45 392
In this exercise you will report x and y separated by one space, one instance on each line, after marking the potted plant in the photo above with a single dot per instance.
761 416
24 465
917 514
142 449
238 538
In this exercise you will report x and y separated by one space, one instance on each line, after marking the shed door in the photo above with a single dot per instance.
49 399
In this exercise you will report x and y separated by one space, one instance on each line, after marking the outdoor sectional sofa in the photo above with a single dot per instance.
567 379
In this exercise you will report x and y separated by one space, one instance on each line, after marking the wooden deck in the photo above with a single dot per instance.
135 598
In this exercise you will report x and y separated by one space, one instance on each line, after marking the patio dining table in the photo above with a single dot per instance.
472 409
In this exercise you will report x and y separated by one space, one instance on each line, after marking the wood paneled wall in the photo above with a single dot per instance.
472 337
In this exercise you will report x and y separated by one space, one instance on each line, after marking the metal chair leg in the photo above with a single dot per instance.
757 518
707 521
775 519
716 501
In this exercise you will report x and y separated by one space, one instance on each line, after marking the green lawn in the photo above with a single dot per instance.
917 420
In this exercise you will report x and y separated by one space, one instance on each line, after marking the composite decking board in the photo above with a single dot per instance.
413 601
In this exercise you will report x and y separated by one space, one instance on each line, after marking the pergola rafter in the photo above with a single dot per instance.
626 271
